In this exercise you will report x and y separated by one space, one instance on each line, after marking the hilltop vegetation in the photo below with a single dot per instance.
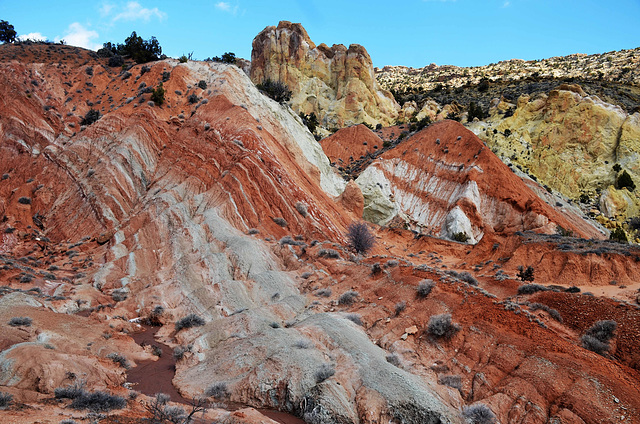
613 76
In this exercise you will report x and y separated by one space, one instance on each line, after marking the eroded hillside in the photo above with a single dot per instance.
219 203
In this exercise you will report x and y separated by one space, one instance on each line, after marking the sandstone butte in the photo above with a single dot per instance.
227 208
336 83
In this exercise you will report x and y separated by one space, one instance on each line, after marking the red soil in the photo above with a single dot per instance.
349 144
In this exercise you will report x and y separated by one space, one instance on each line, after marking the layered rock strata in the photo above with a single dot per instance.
336 83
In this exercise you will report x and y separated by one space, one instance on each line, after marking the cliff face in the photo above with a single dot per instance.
336 83
571 141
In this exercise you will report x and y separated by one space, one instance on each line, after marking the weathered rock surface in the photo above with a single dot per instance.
179 195
570 141
349 144
336 83
164 211
442 181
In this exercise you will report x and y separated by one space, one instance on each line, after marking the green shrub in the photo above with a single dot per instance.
475 111
95 402
140 50
20 322
531 288
393 359
553 313
596 338
116 61
98 401
348 297
454 381
324 372
280 221
311 121
69 392
594 345
202 84
275 90
324 292
193 98
461 237
525 274
625 181
302 209
108 49
8 33
328 253
183 59
227 57
478 414
90 117
5 400
217 390
619 235
468 278
157 95
354 318
24 200
119 359
634 223
424 288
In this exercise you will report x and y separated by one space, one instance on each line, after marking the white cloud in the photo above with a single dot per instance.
227 7
506 4
106 9
223 6
133 11
78 35
34 36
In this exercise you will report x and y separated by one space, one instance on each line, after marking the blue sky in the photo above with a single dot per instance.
402 32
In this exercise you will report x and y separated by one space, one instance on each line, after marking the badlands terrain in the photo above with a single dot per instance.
196 245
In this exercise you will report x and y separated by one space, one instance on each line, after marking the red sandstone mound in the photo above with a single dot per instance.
349 144
444 180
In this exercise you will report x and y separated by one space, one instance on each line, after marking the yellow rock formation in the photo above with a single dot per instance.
336 83
570 141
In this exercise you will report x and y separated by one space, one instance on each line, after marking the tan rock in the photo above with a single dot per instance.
336 83
411 330
621 204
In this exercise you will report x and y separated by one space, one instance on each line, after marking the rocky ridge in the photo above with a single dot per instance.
227 208
336 83
616 66
570 123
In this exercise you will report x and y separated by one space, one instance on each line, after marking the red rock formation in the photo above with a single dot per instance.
349 144
444 180
185 206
